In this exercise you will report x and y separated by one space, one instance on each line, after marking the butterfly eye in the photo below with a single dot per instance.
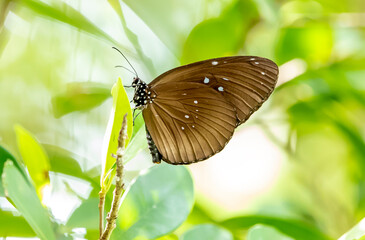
135 82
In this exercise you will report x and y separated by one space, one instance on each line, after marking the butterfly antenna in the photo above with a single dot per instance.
118 66
126 60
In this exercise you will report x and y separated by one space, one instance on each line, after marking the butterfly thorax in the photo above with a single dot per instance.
142 94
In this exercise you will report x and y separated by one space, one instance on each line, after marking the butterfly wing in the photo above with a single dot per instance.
244 81
189 121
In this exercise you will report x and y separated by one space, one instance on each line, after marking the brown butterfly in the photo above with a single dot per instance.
192 111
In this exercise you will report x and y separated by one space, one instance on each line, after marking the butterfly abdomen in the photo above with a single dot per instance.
156 155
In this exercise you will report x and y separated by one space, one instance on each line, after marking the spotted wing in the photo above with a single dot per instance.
189 122
244 81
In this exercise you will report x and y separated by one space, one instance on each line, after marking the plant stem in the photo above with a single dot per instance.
119 185
101 212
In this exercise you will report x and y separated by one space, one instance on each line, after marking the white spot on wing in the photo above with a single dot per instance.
193 126
195 101
256 62
220 89
206 80
184 94
226 79
186 116
214 63
197 110
252 59
262 73
182 128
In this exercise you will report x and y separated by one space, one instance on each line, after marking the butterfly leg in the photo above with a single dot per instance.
156 155
135 116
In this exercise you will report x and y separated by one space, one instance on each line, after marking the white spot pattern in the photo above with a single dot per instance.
195 101
226 79
214 63
256 62
206 80
186 116
220 89
182 128
262 73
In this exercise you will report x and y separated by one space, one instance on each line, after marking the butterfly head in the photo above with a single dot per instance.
136 81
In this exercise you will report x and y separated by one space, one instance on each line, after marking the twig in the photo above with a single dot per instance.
119 185
101 211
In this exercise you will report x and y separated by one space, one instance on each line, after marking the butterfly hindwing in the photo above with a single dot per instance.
189 122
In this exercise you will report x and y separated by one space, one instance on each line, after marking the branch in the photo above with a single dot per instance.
119 185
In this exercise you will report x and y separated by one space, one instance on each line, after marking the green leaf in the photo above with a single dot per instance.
4 156
293 228
137 144
79 96
34 158
25 199
312 42
156 203
63 12
85 216
63 161
138 124
133 38
121 107
357 232
176 17
262 232
220 36
207 231
13 226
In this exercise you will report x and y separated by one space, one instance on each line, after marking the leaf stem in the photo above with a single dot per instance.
119 185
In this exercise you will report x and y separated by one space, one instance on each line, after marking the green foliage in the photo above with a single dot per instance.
357 232
25 199
57 67
12 225
209 38
259 232
79 97
157 202
293 228
312 42
34 157
207 231
120 108
5 156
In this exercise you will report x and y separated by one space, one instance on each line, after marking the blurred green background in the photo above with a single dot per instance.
56 72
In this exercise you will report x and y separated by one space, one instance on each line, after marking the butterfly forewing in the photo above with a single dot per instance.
194 109
245 81
189 122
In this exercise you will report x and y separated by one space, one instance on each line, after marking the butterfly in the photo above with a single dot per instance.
191 111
